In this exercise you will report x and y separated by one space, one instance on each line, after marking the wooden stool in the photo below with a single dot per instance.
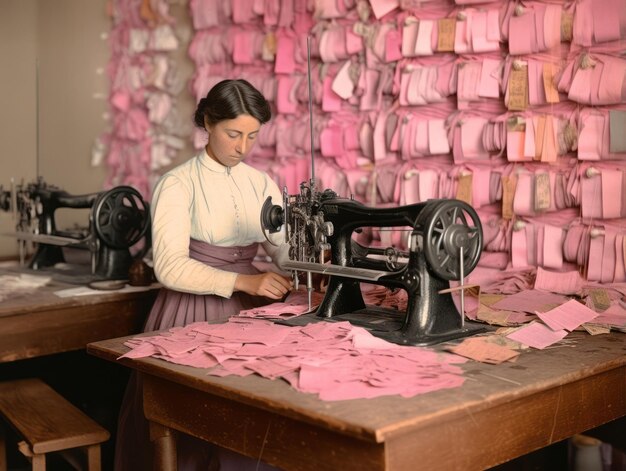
48 423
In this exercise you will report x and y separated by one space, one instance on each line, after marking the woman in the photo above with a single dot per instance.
206 231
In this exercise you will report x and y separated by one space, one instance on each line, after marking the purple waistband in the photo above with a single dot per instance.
221 256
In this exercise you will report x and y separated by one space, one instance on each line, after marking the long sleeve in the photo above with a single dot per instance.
171 232
205 201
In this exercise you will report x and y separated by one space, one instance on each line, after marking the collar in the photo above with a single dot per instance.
213 165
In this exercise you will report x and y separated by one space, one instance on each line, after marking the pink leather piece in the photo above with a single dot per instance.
370 82
437 137
471 138
611 193
490 78
583 23
461 37
522 37
241 12
515 146
539 11
553 247
331 141
393 46
410 30
590 137
620 268
573 240
523 200
536 90
285 100
591 204
539 240
381 8
611 82
519 250
580 88
608 256
480 186
423 42
331 102
428 184
285 53
552 25
342 84
606 20
379 44
596 255
469 74
481 39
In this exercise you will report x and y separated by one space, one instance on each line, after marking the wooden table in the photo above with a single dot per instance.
42 323
500 413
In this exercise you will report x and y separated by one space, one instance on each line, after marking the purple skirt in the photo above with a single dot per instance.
133 449
176 309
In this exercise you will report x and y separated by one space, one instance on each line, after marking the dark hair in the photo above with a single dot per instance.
229 99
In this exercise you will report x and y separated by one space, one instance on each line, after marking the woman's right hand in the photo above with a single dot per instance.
269 284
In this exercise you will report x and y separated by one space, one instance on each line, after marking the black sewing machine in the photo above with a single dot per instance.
118 219
445 244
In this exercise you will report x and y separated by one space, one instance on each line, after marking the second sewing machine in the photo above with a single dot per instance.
118 220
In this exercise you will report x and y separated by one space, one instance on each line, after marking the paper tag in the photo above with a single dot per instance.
542 191
540 129
464 189
446 28
518 89
549 150
600 299
516 124
508 193
567 26
596 329
549 71
269 43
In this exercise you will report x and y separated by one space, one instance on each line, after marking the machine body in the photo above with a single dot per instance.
118 219
444 244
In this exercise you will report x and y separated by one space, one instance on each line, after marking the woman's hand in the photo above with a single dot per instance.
270 284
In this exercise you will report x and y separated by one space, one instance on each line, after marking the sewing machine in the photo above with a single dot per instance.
118 219
445 243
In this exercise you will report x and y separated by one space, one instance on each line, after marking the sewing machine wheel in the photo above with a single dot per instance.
450 225
121 217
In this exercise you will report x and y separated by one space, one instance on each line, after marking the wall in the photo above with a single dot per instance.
53 108
18 105
53 56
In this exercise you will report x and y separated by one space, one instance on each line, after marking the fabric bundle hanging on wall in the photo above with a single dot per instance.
506 105
145 131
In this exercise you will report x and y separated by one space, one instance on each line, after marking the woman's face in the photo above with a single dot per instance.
231 140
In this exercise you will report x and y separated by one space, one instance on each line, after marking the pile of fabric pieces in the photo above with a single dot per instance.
334 360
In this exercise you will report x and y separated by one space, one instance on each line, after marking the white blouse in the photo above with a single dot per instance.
204 200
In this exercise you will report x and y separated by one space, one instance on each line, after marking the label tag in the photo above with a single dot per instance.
509 183
549 71
518 89
464 189
542 191
446 29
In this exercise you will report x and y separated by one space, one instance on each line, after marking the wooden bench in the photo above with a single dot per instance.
48 423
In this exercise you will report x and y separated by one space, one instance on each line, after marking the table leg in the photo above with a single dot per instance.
164 442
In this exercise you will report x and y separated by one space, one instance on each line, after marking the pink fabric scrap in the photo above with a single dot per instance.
335 360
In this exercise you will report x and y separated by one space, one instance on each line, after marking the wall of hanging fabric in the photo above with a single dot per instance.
146 130
518 108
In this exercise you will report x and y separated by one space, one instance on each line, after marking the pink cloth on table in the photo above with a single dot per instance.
334 360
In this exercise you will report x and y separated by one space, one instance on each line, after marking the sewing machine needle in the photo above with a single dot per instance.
462 274
309 288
